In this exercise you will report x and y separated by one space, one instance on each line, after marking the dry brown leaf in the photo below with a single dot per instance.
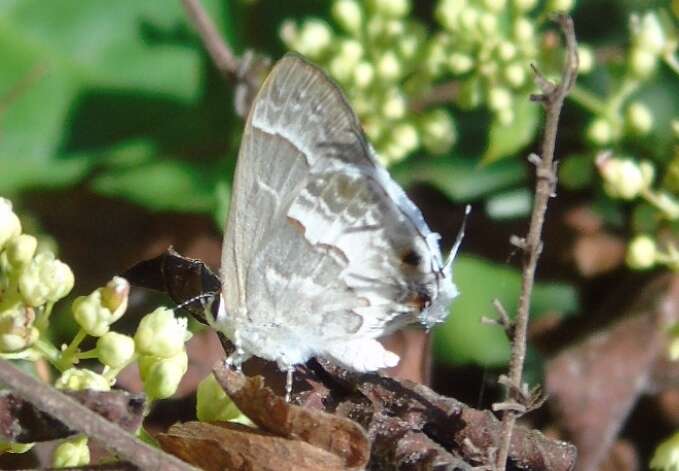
340 436
222 446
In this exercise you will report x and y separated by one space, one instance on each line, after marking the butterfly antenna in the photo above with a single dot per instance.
196 298
458 239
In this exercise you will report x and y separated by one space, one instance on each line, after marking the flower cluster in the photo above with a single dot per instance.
377 59
627 179
32 279
389 64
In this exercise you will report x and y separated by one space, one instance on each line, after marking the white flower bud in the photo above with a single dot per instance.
488 23
585 59
91 315
448 13
351 51
460 63
45 279
642 63
405 138
161 334
348 14
648 34
623 178
76 379
391 8
363 74
114 296
340 69
525 5
71 453
10 226
312 40
16 328
675 128
600 132
394 106
499 99
437 131
506 51
469 18
515 74
523 30
20 249
289 34
641 253
408 45
388 66
560 5
373 129
495 6
114 349
639 118
161 376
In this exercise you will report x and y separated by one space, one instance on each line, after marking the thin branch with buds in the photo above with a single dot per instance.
552 98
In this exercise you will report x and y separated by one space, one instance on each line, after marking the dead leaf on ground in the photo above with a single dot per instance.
340 436
220 446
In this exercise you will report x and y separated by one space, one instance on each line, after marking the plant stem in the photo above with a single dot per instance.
48 351
552 98
69 356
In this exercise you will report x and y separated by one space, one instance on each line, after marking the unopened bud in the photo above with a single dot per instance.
10 226
161 376
639 118
585 59
45 279
525 5
437 130
600 132
114 349
641 253
363 74
460 63
499 99
623 178
16 329
114 296
20 249
77 379
448 13
161 334
388 66
641 62
348 14
523 30
515 74
648 34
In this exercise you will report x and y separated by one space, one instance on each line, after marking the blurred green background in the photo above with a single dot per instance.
118 100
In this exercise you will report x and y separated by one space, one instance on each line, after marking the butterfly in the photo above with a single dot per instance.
323 252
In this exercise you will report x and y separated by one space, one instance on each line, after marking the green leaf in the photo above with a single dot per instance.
505 141
576 171
58 53
463 338
166 185
459 178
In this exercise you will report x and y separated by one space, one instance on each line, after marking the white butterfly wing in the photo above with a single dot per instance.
322 252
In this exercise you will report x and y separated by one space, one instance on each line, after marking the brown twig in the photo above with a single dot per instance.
221 54
78 417
552 98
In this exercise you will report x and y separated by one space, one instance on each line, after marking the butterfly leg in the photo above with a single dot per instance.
290 370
